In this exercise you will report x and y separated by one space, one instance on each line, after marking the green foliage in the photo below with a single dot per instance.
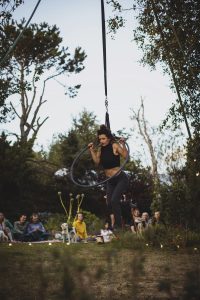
170 237
82 132
7 7
156 235
192 171
176 203
140 184
128 240
54 222
93 223
26 180
179 199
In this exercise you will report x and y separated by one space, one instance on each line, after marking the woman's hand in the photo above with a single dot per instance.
122 141
91 146
95 154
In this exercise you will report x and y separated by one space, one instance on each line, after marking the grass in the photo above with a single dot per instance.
90 271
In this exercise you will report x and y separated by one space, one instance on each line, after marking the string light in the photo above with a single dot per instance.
197 174
68 243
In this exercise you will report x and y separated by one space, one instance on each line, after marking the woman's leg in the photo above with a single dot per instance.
109 190
119 189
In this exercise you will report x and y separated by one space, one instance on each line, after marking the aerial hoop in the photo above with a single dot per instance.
77 158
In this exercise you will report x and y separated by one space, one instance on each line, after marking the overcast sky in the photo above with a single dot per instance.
80 25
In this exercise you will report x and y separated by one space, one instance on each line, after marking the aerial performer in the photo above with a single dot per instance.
108 156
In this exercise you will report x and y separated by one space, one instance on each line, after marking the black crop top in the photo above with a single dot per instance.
108 159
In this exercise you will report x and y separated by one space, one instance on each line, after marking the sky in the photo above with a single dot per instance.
80 25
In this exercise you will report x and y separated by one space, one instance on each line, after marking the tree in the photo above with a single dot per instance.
38 57
27 181
192 173
141 185
7 7
143 130
168 33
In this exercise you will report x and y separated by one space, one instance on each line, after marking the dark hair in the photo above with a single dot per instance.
34 214
21 214
105 130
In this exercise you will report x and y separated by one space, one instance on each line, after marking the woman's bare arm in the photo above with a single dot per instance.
121 148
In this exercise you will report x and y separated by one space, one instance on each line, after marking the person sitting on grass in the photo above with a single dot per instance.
20 227
6 229
136 220
157 220
80 228
35 230
106 233
145 222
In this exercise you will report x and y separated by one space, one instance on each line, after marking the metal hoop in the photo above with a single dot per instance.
98 183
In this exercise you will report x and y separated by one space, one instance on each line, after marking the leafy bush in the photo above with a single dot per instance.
94 224
54 222
171 237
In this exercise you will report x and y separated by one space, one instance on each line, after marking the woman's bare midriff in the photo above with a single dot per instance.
111 172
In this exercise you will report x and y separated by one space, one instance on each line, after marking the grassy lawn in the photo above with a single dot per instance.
93 271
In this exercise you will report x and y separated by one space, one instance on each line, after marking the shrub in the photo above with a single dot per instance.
54 222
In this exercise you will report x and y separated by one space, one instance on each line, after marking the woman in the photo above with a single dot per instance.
108 155
6 229
80 227
35 230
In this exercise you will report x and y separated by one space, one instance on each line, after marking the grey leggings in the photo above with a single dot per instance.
114 190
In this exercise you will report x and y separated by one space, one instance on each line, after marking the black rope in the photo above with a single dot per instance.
104 45
107 121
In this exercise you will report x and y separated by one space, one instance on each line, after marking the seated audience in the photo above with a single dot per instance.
157 220
106 234
20 227
145 222
35 230
80 227
6 229
136 220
